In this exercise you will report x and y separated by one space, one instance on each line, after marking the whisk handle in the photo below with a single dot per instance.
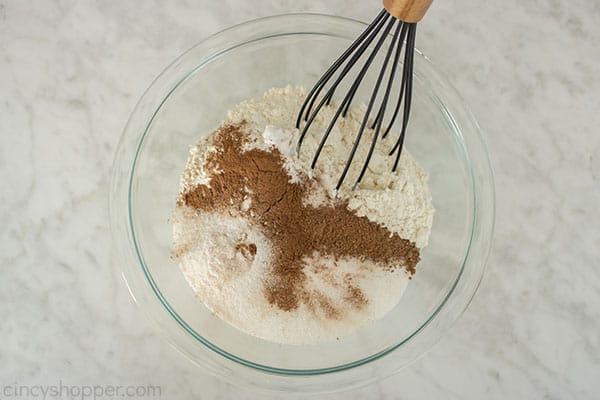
407 10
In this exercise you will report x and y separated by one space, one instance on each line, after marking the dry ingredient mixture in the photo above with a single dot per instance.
277 253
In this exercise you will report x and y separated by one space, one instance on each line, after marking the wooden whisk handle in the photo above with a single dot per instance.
407 10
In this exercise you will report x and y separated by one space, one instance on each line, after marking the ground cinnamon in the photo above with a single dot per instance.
295 230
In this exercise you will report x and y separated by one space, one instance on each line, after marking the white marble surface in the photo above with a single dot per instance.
71 72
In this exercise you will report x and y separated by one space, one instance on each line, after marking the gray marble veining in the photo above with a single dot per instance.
71 72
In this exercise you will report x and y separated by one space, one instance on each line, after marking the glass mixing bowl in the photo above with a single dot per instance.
188 100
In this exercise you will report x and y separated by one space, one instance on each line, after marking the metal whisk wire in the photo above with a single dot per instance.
403 36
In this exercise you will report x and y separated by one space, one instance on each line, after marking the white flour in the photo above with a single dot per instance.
229 281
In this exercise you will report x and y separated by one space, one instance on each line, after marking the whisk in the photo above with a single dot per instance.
404 15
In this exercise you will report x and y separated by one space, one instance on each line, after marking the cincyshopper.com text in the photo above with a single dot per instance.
81 392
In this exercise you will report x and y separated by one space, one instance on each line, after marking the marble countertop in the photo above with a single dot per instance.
72 71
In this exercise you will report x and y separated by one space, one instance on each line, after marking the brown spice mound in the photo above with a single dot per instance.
296 230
